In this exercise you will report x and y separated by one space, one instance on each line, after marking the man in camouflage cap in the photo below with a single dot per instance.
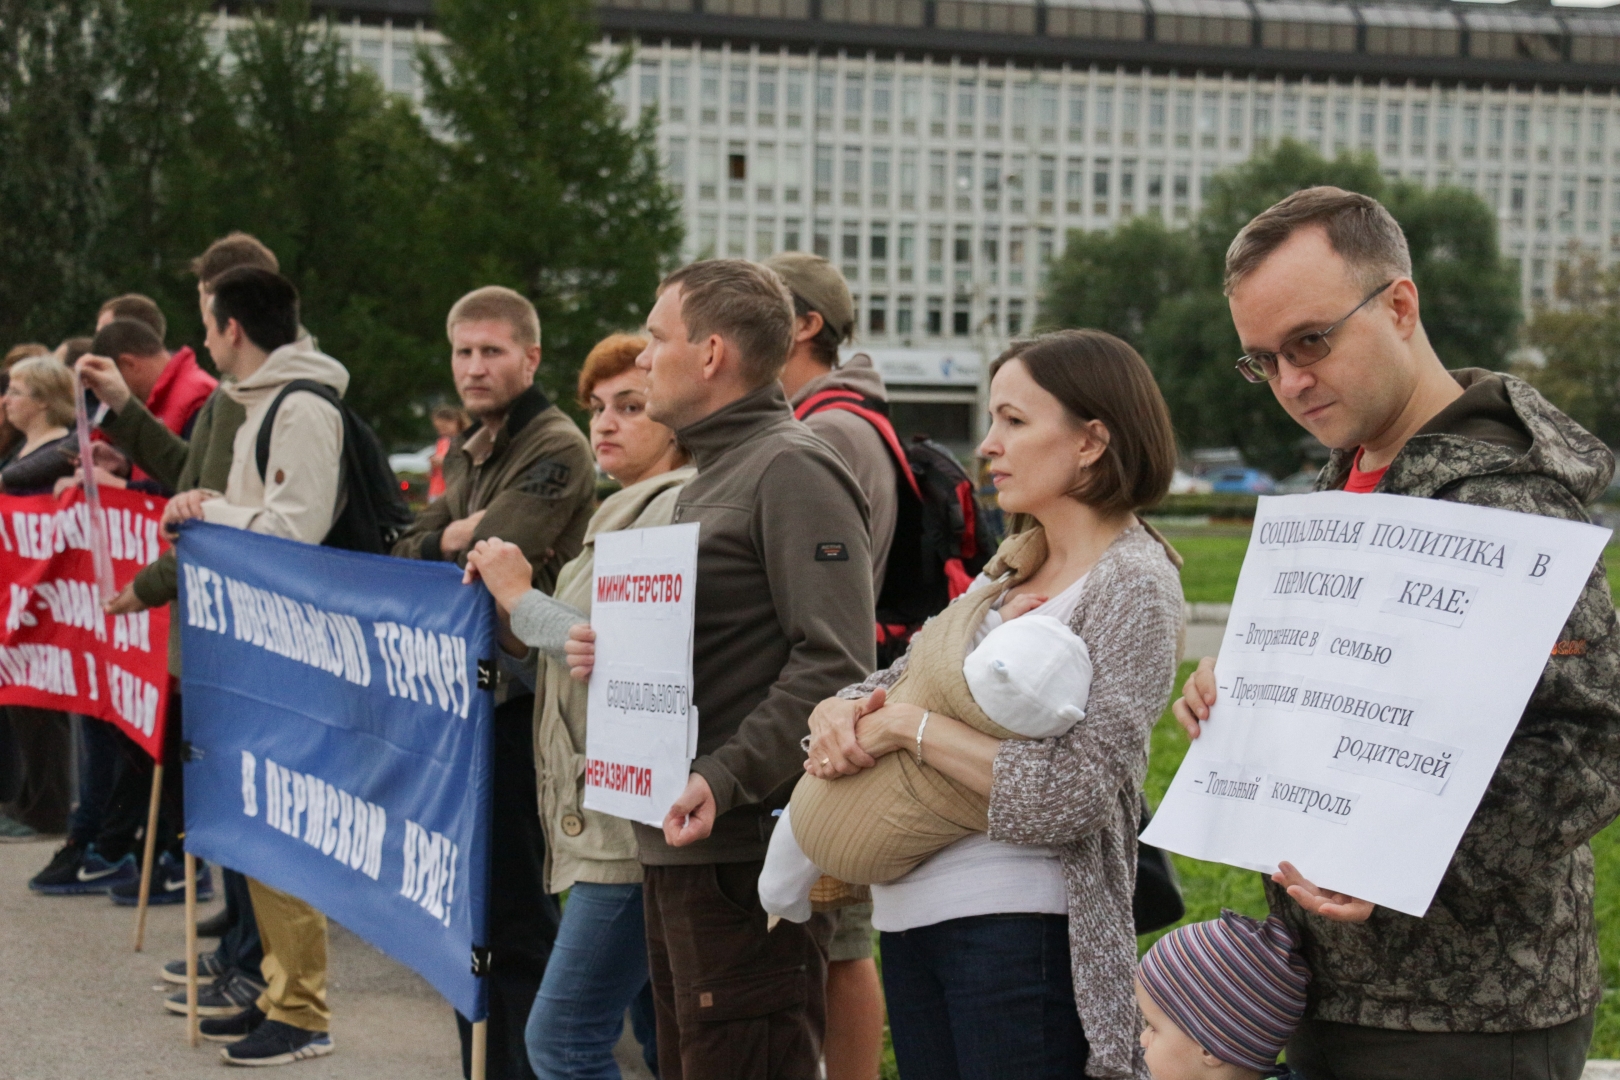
824 318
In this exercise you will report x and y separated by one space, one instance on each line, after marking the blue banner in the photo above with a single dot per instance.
340 742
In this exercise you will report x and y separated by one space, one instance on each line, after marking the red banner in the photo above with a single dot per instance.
59 650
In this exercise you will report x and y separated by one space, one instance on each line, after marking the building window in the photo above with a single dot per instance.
902 316
854 101
880 176
708 168
709 93
1130 106
965 92
961 318
850 250
765 97
738 99
936 179
822 240
936 254
765 172
877 316
736 240
677 91
1104 118
964 179
790 235
936 316
792 172
1077 112
907 255
908 179
824 174
764 237
736 165
852 176
1015 317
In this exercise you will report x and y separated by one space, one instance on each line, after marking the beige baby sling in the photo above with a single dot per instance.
881 823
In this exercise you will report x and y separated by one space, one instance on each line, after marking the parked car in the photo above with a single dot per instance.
1184 484
1298 484
1237 480
413 463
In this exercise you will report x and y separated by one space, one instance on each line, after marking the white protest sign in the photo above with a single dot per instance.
639 711
1379 654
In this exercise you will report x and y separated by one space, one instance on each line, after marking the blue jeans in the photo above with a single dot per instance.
984 997
598 968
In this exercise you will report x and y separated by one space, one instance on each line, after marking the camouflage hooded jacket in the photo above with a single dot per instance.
1509 943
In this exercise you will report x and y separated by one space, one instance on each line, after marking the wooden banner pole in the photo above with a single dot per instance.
480 1048
191 948
146 860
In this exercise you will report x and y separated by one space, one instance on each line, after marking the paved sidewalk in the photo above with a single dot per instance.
80 1004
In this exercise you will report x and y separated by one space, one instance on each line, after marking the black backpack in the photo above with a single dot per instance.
942 537
374 513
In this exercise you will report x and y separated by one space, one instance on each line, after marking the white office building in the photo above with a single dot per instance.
939 151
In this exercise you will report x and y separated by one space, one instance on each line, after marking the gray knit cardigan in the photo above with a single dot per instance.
1078 792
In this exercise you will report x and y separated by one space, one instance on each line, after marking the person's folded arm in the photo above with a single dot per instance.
421 539
825 610
1054 791
549 493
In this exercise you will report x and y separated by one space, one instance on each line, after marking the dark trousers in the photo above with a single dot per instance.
1321 1050
115 789
42 741
984 997
731 999
99 751
239 947
523 917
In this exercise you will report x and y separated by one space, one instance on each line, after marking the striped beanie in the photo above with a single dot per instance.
1234 985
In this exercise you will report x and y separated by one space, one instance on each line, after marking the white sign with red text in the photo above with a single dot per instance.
640 720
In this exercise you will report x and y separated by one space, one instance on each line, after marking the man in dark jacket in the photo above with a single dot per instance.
783 621
1500 977
524 474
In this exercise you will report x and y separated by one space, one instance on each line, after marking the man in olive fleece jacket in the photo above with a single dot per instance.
523 474
783 621
1500 977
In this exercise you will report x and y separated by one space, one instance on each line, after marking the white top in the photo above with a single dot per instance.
978 875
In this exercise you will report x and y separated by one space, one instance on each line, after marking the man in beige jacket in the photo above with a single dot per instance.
253 335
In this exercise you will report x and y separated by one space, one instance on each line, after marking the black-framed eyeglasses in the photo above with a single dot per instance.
1301 350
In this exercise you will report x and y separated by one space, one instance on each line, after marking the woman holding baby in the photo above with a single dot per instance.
1011 951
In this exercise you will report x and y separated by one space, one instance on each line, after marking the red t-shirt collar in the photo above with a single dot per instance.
1363 483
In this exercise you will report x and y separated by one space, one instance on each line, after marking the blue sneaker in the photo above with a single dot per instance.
76 872
168 884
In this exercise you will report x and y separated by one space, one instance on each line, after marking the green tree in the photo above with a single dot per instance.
338 177
547 191
1160 289
53 192
1579 343
163 110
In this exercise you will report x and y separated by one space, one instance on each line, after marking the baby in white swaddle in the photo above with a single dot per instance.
1031 675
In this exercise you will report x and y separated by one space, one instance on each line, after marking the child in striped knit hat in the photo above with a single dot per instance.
1221 999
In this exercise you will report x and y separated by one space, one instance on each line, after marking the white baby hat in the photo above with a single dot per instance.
1032 676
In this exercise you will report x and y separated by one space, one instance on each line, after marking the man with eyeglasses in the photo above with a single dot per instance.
1501 977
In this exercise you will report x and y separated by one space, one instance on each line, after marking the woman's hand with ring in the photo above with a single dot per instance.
833 749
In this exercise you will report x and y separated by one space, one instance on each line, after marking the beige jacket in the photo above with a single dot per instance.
298 496
581 844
